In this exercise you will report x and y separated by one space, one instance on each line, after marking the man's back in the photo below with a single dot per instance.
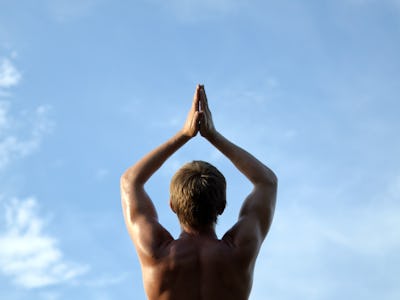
198 268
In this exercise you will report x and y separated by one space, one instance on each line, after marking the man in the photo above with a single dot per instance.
198 265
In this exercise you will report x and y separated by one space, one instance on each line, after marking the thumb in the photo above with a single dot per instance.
199 116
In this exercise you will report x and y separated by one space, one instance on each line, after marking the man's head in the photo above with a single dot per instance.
198 194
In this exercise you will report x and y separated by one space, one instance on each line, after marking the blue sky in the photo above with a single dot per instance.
310 87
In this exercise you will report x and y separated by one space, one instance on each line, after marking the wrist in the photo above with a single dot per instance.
212 136
182 134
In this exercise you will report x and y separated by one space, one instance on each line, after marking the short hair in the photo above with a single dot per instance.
198 194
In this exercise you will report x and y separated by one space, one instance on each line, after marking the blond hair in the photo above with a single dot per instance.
198 194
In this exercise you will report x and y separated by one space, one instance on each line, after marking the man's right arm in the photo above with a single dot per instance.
257 210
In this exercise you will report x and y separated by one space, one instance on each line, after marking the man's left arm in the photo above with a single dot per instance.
139 212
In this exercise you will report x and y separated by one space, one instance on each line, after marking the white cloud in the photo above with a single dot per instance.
9 75
3 116
20 137
27 255
20 134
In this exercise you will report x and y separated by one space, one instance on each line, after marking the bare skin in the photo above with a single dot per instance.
198 265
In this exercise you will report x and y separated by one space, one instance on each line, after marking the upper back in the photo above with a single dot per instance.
198 268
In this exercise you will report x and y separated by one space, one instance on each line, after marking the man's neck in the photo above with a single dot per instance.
194 232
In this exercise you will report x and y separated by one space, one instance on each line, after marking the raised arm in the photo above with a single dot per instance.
139 212
257 210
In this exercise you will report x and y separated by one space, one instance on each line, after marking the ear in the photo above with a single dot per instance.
171 205
221 209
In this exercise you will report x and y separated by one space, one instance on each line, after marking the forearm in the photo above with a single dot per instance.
246 163
145 167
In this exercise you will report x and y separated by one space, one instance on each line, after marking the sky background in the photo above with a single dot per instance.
311 88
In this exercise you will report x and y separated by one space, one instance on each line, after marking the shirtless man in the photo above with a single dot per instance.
198 265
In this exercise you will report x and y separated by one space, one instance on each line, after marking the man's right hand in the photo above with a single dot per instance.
207 128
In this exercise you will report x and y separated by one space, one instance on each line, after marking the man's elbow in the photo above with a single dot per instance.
123 180
268 178
129 179
273 179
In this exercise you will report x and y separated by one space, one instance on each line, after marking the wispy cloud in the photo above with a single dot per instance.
20 134
29 256
9 75
3 116
19 138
